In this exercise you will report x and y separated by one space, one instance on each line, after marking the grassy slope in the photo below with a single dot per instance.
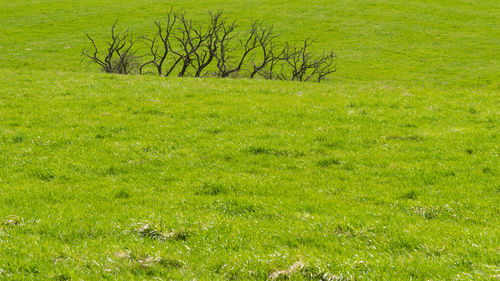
373 176
259 174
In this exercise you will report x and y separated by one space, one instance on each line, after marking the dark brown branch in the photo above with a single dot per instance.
190 39
223 57
204 56
266 41
160 45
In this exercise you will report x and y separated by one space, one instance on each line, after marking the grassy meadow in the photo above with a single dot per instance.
388 171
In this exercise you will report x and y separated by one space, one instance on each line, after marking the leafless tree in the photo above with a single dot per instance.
204 56
301 65
270 55
120 53
189 39
160 46
298 62
325 65
275 58
225 64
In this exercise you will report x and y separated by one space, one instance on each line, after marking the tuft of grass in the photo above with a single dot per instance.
412 195
428 212
147 230
135 260
42 174
11 221
149 261
18 139
301 271
122 194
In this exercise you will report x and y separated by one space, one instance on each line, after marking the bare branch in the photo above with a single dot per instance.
204 56
160 45
223 57
266 41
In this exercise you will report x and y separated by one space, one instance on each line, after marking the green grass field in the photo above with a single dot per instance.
388 171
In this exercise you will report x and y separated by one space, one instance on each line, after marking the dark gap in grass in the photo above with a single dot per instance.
406 138
487 170
212 189
403 243
345 230
412 195
213 115
18 139
106 132
228 158
149 111
113 171
321 138
326 142
122 194
407 125
43 175
260 150
14 124
235 207
214 131
449 174
324 163
335 144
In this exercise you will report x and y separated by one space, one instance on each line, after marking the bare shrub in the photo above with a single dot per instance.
301 65
196 49
189 39
119 56
269 55
226 62
205 55
160 46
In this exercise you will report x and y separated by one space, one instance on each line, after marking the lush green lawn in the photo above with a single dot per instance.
388 172
372 182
